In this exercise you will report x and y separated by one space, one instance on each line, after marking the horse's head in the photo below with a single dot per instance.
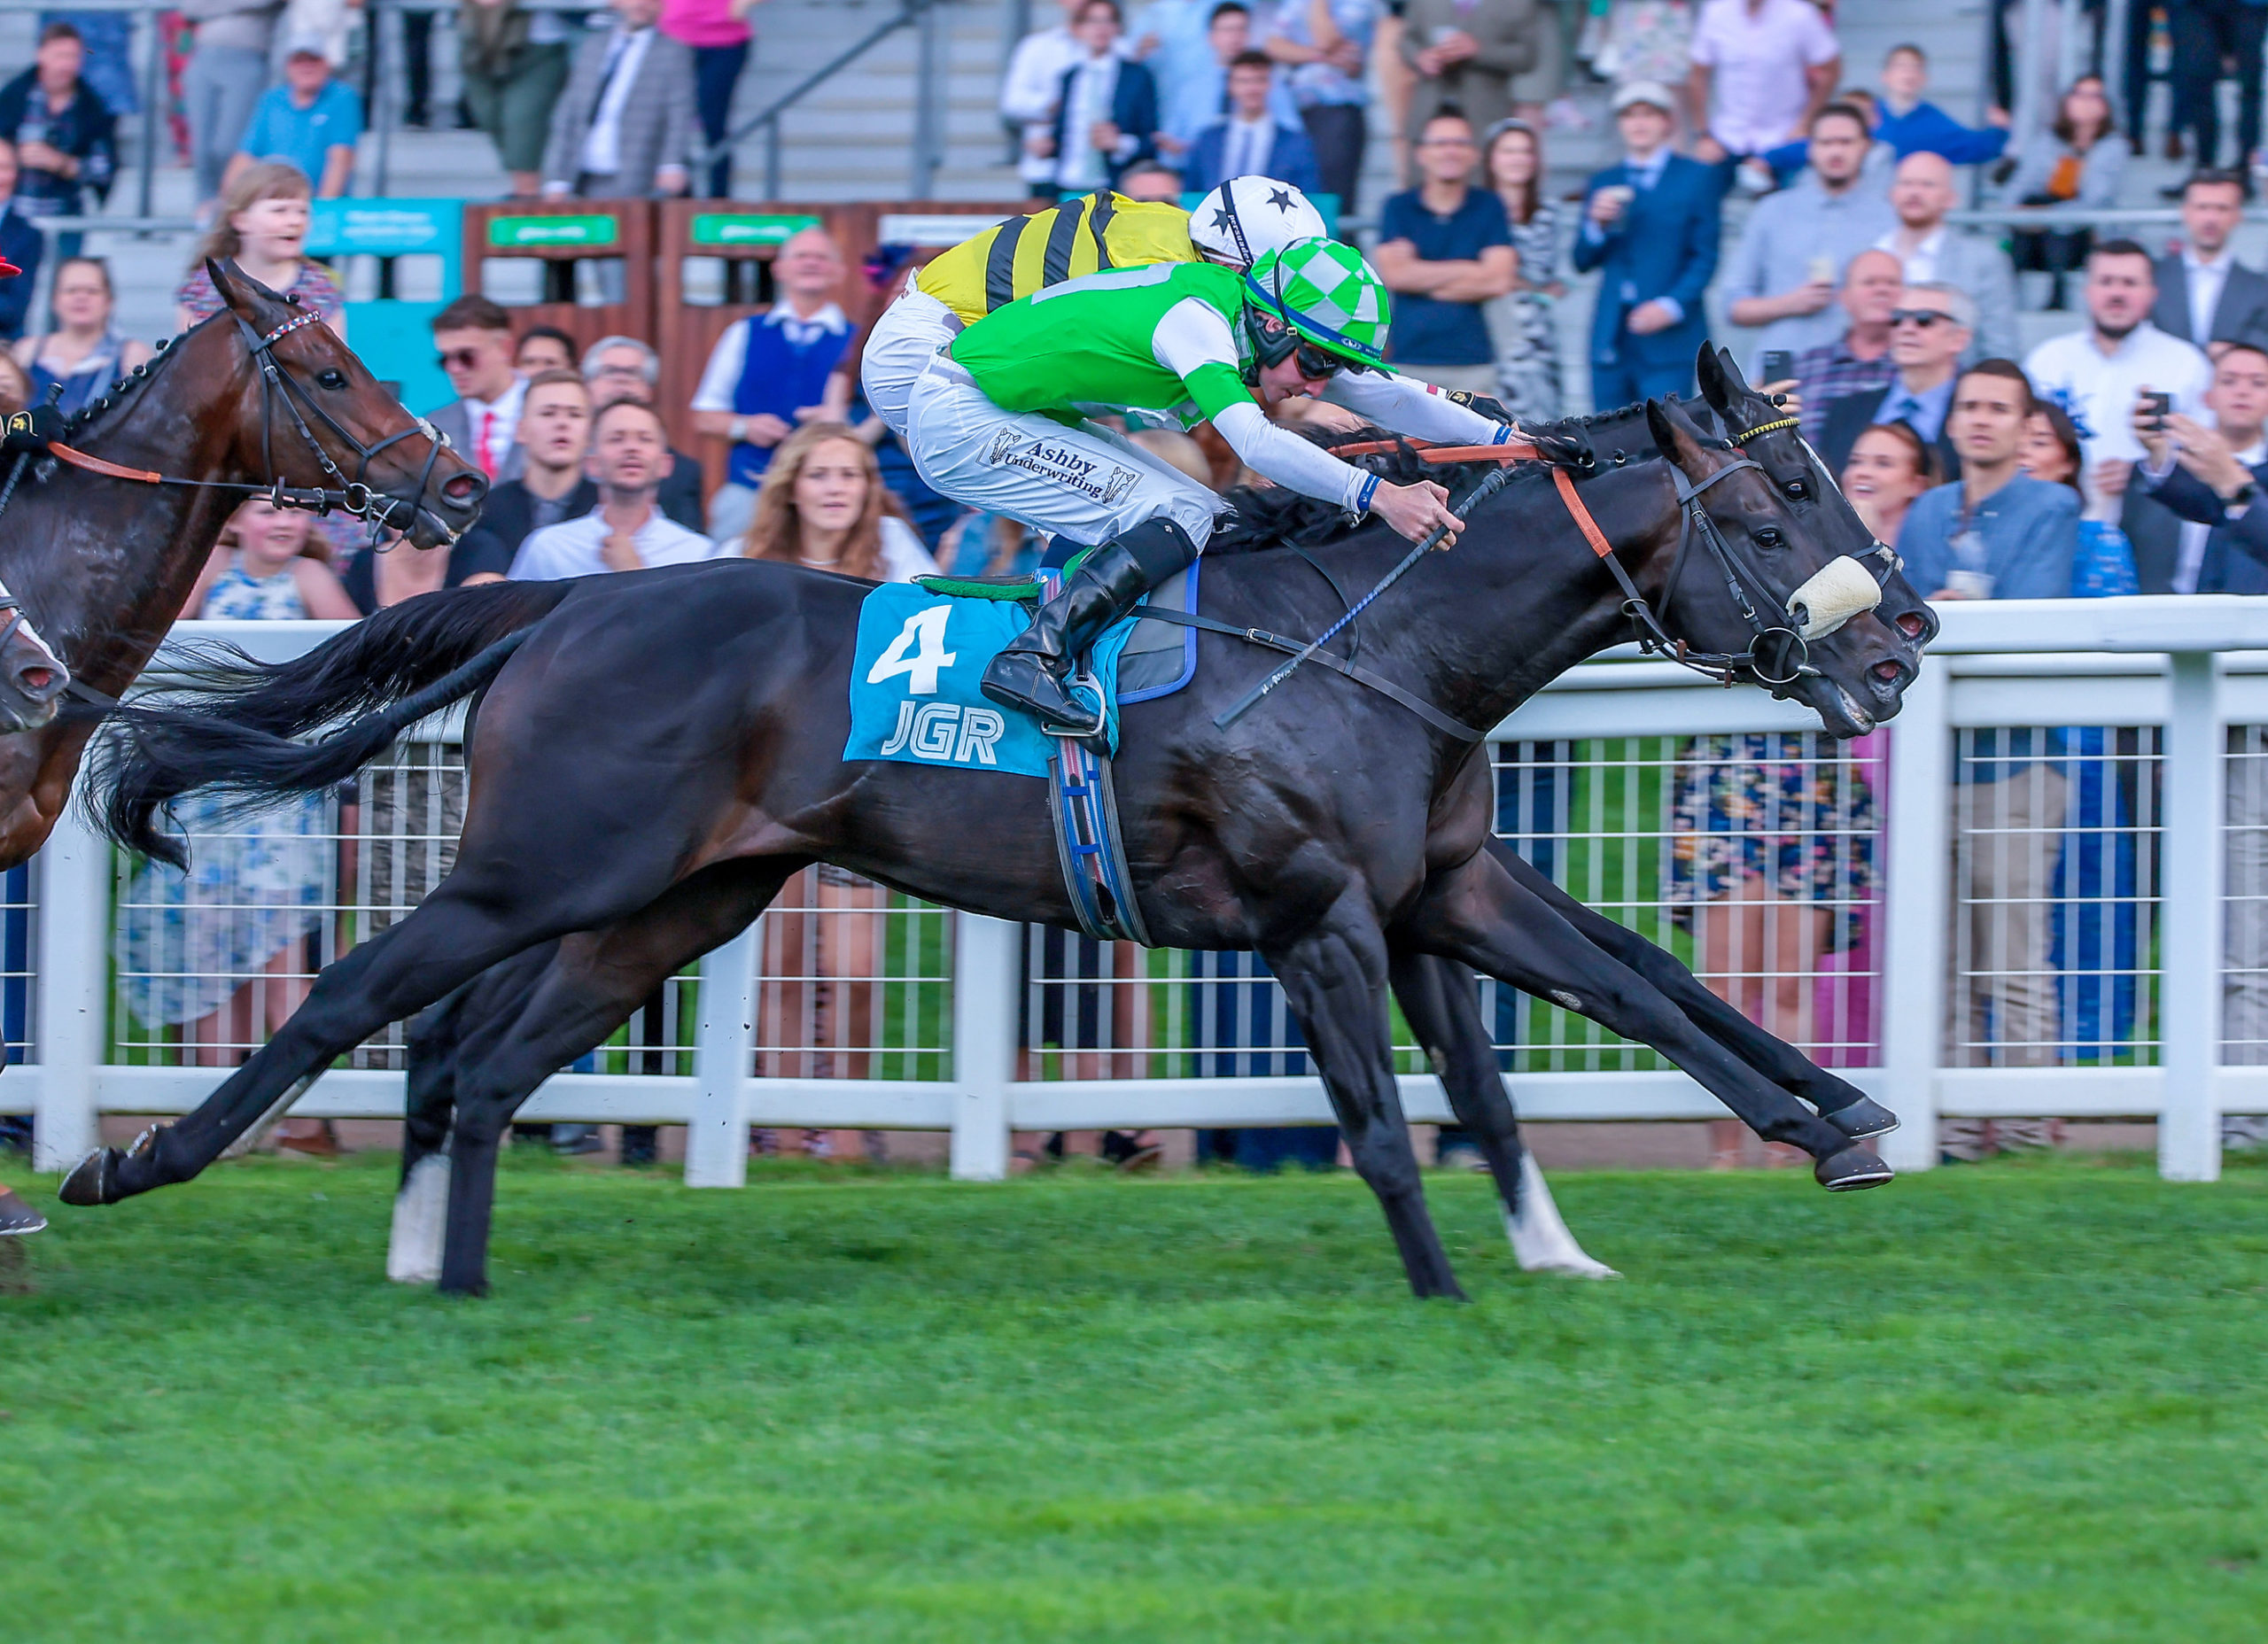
315 418
1902 621
1768 577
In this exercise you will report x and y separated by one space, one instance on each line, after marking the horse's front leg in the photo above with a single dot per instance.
1438 999
1335 978
1475 914
1842 1103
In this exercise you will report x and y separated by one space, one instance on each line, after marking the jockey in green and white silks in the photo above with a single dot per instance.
998 421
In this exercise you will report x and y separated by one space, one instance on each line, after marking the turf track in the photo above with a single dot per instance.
1998 1403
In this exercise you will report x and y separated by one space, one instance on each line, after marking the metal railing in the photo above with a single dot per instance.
2009 902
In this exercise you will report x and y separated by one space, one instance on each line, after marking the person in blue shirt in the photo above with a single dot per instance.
1995 533
1651 226
311 121
1911 125
1445 248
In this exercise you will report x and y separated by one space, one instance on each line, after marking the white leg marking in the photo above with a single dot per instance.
420 1218
1541 1241
267 1121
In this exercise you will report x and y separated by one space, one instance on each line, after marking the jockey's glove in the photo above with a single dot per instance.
30 430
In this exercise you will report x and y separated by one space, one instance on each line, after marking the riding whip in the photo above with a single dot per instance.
1491 482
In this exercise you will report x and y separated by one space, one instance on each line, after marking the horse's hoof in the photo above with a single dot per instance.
1851 1169
93 1182
1863 1120
1577 1267
16 1217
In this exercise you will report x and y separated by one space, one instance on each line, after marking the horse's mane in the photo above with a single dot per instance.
1271 516
127 384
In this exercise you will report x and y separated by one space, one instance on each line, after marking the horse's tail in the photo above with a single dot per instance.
230 729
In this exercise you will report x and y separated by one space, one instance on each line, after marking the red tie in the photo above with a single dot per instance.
487 450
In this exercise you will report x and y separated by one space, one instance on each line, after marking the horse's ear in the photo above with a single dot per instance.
1675 436
1709 367
229 283
1736 385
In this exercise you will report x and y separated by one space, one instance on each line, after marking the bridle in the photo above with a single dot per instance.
354 497
1777 654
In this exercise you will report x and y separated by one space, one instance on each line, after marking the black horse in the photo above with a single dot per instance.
657 754
1568 941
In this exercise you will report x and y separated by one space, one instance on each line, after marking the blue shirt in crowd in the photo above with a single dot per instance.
1425 329
280 130
2029 529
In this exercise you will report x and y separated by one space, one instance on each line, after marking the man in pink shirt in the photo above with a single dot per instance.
1761 69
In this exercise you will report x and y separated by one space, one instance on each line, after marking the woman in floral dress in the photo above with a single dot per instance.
220 951
1521 324
1772 855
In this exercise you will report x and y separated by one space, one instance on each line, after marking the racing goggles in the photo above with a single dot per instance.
1274 346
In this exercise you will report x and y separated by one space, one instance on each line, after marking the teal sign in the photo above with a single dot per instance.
394 335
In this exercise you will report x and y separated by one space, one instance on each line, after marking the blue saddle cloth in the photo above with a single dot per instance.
916 677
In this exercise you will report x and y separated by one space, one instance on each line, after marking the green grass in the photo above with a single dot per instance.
1999 1403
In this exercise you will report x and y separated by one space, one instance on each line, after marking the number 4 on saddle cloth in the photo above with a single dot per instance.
916 698
915 680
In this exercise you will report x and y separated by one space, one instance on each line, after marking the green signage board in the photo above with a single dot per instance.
723 228
594 231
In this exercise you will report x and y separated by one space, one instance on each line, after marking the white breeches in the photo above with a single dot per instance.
1083 483
902 342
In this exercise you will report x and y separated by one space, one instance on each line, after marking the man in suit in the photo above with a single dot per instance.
2205 295
1930 249
2205 530
474 338
624 127
554 436
1106 108
1929 332
1650 226
1251 142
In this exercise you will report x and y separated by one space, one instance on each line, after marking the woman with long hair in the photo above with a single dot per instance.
1521 321
262 224
2077 161
819 1011
83 355
1889 467
823 505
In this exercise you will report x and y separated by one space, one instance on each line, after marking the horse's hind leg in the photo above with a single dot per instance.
1335 983
1437 998
445 943
549 1005
1842 1103
1475 914
421 1205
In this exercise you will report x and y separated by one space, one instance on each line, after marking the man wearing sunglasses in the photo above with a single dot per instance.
473 338
1930 331
996 423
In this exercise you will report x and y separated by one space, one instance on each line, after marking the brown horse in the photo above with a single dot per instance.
260 397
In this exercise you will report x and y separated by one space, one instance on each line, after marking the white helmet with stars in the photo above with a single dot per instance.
1246 217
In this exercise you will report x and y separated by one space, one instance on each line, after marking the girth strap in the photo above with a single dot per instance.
1355 672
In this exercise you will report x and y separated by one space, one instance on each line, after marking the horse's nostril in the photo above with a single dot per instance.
465 488
1889 672
1911 625
36 680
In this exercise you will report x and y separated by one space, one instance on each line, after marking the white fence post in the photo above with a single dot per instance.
2189 923
716 1142
1916 903
73 925
987 968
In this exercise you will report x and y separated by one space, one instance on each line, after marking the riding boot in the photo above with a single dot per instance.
1034 672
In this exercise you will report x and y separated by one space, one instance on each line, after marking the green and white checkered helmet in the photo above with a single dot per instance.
1327 294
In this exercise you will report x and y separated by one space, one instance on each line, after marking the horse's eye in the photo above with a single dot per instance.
1799 490
1769 536
333 379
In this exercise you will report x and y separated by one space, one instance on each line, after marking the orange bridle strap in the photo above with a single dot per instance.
1560 477
95 465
